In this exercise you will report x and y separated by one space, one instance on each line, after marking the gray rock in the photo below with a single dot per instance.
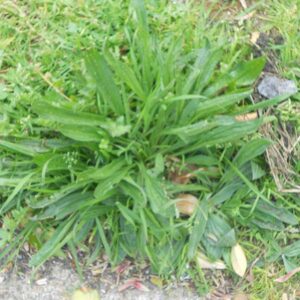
272 86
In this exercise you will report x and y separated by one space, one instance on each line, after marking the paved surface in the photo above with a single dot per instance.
59 282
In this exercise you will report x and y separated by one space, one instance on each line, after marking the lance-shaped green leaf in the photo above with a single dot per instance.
198 229
99 70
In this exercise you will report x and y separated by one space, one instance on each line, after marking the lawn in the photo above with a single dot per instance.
135 130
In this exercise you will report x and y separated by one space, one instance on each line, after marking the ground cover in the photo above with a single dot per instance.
112 113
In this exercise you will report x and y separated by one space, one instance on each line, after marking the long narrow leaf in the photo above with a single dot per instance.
101 73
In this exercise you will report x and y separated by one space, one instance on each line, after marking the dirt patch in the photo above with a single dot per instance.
264 47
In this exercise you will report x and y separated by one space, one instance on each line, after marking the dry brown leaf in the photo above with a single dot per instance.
204 263
238 260
177 175
85 294
181 178
246 117
186 204
287 276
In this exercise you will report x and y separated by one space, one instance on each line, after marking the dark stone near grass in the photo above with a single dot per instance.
272 86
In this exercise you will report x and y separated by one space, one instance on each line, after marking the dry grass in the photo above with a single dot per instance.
281 155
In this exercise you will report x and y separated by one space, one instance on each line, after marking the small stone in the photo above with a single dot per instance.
272 86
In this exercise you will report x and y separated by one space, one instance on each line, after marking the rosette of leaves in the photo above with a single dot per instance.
94 176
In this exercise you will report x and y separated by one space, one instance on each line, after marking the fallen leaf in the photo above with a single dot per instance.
254 37
183 178
238 260
178 176
133 283
288 275
186 204
246 117
85 294
204 263
157 281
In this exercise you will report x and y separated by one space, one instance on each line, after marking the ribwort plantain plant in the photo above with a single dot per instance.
99 174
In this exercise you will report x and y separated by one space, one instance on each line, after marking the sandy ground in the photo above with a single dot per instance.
58 282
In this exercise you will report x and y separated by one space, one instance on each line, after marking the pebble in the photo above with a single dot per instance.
272 86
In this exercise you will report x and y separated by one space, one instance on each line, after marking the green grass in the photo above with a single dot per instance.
96 101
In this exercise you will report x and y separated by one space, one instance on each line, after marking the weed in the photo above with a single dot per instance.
96 127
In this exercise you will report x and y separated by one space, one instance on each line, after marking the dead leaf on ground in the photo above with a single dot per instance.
157 281
186 204
180 174
238 260
287 276
85 294
133 283
246 117
204 263
183 178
